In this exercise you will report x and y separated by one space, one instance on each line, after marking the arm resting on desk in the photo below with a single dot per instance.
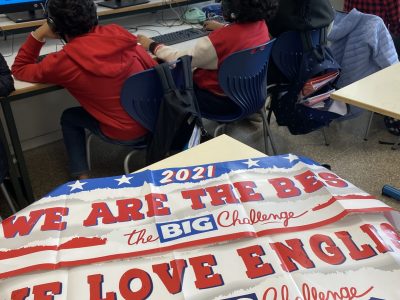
25 67
203 54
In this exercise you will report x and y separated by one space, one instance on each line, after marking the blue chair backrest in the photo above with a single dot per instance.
142 92
243 78
287 52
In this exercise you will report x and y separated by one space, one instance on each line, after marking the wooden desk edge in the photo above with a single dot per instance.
244 152
338 97
35 87
106 12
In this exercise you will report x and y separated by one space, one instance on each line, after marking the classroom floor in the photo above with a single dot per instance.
367 164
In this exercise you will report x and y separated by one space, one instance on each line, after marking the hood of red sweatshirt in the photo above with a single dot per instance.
106 51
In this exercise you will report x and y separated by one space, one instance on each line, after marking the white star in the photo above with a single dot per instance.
77 185
251 163
291 157
123 179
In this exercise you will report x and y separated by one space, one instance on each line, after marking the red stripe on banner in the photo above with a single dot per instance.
78 242
50 266
82 242
348 197
199 242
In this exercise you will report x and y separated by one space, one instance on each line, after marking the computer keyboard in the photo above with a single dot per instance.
180 36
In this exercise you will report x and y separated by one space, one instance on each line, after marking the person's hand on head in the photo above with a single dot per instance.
212 25
144 41
44 32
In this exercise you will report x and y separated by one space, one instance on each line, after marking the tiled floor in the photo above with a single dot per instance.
367 164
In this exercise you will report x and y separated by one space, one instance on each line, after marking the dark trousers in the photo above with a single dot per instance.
211 104
74 122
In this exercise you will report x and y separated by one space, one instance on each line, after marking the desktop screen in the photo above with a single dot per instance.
19 5
22 10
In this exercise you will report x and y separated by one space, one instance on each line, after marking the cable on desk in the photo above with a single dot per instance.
136 28
180 16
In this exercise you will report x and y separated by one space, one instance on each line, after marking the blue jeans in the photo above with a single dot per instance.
74 121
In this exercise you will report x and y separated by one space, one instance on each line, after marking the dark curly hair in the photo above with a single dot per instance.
249 10
72 17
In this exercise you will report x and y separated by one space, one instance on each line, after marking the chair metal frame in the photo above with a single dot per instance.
89 138
141 96
243 78
4 170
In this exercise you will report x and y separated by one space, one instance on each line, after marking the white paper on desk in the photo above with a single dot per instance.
338 108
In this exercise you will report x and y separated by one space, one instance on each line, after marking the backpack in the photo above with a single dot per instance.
302 102
301 15
179 120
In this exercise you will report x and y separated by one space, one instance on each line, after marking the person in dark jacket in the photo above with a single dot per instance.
6 80
93 65
6 87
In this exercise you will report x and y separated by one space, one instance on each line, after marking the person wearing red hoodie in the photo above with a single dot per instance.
92 66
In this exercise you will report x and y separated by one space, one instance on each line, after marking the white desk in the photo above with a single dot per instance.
379 92
219 149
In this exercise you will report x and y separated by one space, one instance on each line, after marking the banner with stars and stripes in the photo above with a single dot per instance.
163 211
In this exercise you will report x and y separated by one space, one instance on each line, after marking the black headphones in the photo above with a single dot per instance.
230 9
52 22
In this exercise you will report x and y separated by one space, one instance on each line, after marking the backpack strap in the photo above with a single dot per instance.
308 45
187 71
164 73
323 36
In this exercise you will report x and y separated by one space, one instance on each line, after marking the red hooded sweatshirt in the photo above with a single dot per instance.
93 68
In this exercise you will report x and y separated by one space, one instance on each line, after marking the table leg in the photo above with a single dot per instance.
14 177
12 130
396 144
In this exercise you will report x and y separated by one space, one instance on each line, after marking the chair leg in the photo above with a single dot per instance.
126 161
88 141
368 126
218 129
325 136
267 133
396 144
8 198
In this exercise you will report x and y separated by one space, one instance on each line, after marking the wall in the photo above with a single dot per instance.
337 4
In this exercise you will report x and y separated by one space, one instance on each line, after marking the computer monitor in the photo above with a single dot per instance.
22 10
121 3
